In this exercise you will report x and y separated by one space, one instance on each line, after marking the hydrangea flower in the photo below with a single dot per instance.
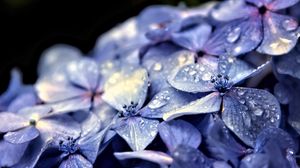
245 111
257 25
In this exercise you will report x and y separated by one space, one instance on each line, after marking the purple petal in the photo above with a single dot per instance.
208 104
282 138
57 55
179 132
161 60
12 122
125 87
71 105
280 34
138 132
35 112
53 91
33 152
255 160
248 111
294 115
236 37
105 114
288 64
76 161
192 78
280 4
11 153
164 101
24 100
223 11
152 156
282 93
21 136
193 39
58 126
84 72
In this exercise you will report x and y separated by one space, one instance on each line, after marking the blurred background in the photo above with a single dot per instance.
27 27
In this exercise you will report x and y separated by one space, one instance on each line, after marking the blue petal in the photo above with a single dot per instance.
280 4
12 122
282 93
179 132
236 37
186 156
294 115
280 34
126 87
193 39
282 139
161 60
11 153
59 126
153 156
248 111
192 78
71 105
76 161
33 152
84 72
105 114
208 104
138 132
23 100
164 101
21 136
57 55
255 160
288 64
35 112
220 143
223 11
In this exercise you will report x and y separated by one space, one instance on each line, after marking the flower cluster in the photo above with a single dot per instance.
214 86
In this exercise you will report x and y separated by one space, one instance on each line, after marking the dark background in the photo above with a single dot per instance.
27 27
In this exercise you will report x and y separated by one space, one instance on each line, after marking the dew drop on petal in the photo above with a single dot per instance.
157 67
258 112
234 35
290 24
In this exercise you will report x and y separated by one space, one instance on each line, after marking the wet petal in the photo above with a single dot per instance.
54 91
208 104
13 89
84 72
193 39
280 34
105 114
161 60
186 156
33 152
12 122
76 161
21 136
152 156
220 143
57 55
90 125
11 153
138 132
164 101
192 78
71 105
58 126
282 139
288 64
294 115
22 101
179 132
282 93
236 37
248 111
125 88
223 10
35 112
280 4
255 160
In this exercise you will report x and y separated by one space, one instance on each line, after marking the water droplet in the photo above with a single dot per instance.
258 112
192 72
182 59
202 68
206 77
234 35
157 67
290 24
160 100
241 92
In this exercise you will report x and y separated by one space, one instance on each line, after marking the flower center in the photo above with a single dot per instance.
32 122
130 110
262 10
221 83
68 146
